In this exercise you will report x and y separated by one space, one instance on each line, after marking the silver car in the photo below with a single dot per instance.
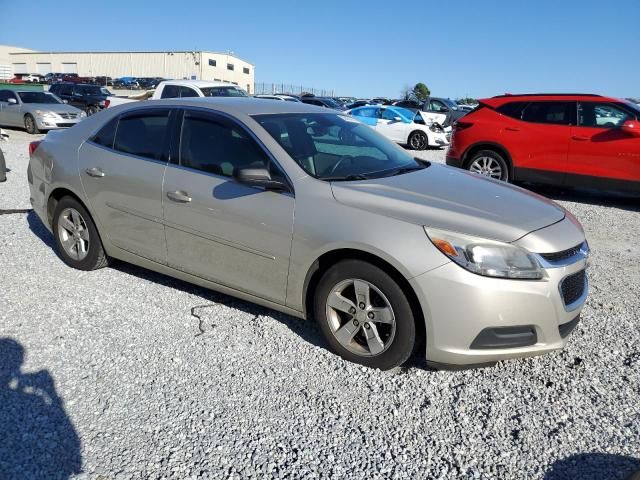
312 213
36 111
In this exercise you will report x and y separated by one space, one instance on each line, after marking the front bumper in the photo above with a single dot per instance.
461 308
47 123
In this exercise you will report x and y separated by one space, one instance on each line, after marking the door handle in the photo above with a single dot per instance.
94 172
179 196
512 129
580 138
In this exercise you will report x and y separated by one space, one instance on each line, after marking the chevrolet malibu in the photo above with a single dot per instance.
312 213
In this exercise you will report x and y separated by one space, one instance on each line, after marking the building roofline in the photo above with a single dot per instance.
67 52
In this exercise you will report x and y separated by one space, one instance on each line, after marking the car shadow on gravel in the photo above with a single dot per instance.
37 439
590 197
595 466
40 231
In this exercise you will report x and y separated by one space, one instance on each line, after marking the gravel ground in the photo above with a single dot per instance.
130 374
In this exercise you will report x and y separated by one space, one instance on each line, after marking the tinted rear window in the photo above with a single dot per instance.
143 134
512 109
106 134
557 113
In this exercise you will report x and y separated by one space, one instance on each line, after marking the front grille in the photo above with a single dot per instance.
564 254
573 286
68 115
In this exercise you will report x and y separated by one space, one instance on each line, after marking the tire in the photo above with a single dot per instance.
91 110
380 335
70 216
30 124
418 140
489 163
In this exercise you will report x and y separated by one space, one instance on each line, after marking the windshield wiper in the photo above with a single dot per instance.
356 176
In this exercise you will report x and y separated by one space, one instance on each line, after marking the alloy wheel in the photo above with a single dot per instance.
73 234
418 141
487 166
29 124
360 317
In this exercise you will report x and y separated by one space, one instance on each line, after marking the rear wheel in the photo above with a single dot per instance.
30 124
490 164
76 236
418 140
364 315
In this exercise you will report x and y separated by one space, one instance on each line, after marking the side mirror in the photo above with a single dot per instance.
258 177
632 127
12 101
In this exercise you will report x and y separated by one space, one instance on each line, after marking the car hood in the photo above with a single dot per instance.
52 107
455 200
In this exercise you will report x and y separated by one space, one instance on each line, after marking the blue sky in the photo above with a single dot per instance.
369 47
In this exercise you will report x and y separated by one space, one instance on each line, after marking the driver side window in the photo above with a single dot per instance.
601 115
5 95
437 106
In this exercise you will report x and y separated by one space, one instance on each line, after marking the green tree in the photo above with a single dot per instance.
421 92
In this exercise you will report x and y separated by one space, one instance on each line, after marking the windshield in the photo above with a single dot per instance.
331 102
330 146
450 103
38 97
223 92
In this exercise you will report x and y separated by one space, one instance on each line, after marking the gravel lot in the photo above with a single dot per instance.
121 379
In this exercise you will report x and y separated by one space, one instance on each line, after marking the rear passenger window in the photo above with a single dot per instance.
143 134
557 113
107 134
188 92
217 146
170 91
513 109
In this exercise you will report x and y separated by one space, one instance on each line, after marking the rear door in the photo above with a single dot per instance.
601 154
122 168
539 142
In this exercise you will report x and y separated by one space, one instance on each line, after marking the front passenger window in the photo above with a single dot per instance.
601 115
217 146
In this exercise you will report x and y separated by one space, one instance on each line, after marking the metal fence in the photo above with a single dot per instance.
271 88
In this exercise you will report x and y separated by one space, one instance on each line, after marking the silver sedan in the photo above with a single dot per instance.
312 213
36 111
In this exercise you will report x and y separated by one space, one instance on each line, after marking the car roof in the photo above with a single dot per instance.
199 83
235 105
529 97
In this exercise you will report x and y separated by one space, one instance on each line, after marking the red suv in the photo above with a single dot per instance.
573 140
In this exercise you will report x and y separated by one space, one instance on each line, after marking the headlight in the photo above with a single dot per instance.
486 257
45 114
82 114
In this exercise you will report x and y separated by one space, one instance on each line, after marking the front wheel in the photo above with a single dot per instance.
30 125
364 315
91 110
490 164
418 140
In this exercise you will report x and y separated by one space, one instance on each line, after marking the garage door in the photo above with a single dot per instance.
5 72
20 68
69 67
43 68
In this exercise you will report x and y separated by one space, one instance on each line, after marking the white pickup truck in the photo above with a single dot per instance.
182 89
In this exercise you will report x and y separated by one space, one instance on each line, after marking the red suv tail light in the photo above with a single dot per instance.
33 146
106 103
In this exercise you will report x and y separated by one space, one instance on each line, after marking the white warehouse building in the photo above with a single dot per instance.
196 65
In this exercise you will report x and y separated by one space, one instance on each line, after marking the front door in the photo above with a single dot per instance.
216 228
122 168
10 113
601 154
392 126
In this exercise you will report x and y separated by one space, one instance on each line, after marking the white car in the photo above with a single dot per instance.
278 96
31 78
402 126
